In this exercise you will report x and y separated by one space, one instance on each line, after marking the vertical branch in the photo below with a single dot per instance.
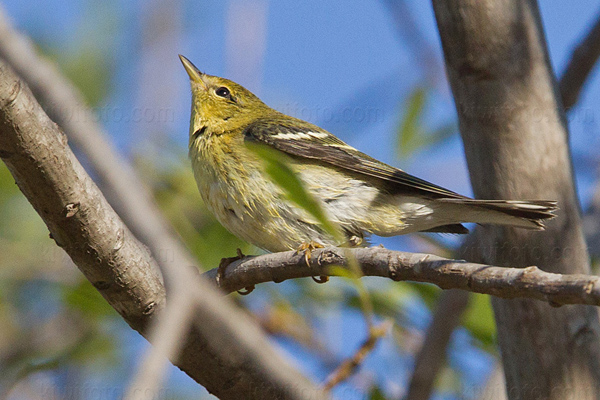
515 139
576 73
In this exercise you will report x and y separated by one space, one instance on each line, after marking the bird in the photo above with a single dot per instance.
359 194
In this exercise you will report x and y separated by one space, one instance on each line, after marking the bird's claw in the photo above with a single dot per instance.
320 279
308 248
246 291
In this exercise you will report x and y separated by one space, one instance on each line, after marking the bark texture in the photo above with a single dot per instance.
515 139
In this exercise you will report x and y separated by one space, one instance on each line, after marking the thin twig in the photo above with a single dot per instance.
349 366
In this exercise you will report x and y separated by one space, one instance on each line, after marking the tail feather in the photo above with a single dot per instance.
529 214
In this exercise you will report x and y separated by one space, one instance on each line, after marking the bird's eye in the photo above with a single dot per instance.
223 92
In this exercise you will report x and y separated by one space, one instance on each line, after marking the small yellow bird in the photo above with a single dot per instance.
358 193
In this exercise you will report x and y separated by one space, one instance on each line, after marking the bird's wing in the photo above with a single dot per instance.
305 140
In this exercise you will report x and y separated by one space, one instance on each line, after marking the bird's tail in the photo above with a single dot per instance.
528 214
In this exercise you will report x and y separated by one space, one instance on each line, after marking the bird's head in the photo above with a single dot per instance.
218 102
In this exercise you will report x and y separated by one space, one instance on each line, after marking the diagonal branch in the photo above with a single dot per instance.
580 66
131 200
508 283
129 197
223 350
447 315
432 355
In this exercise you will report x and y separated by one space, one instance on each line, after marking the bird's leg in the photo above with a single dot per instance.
225 262
307 248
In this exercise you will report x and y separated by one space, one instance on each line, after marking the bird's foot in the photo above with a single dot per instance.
307 248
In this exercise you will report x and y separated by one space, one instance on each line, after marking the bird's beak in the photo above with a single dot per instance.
194 73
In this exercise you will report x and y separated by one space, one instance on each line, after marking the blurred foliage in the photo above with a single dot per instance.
87 67
84 298
50 316
411 130
390 300
376 394
413 134
88 62
479 320
448 381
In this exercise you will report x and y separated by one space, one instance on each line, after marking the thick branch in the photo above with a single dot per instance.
225 351
508 283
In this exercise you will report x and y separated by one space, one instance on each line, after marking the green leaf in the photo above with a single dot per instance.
388 300
410 133
342 272
376 393
448 381
277 166
85 298
479 320
89 70
428 292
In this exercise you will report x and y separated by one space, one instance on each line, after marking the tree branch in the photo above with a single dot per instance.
129 197
223 350
508 283
515 138
452 304
580 66
432 355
